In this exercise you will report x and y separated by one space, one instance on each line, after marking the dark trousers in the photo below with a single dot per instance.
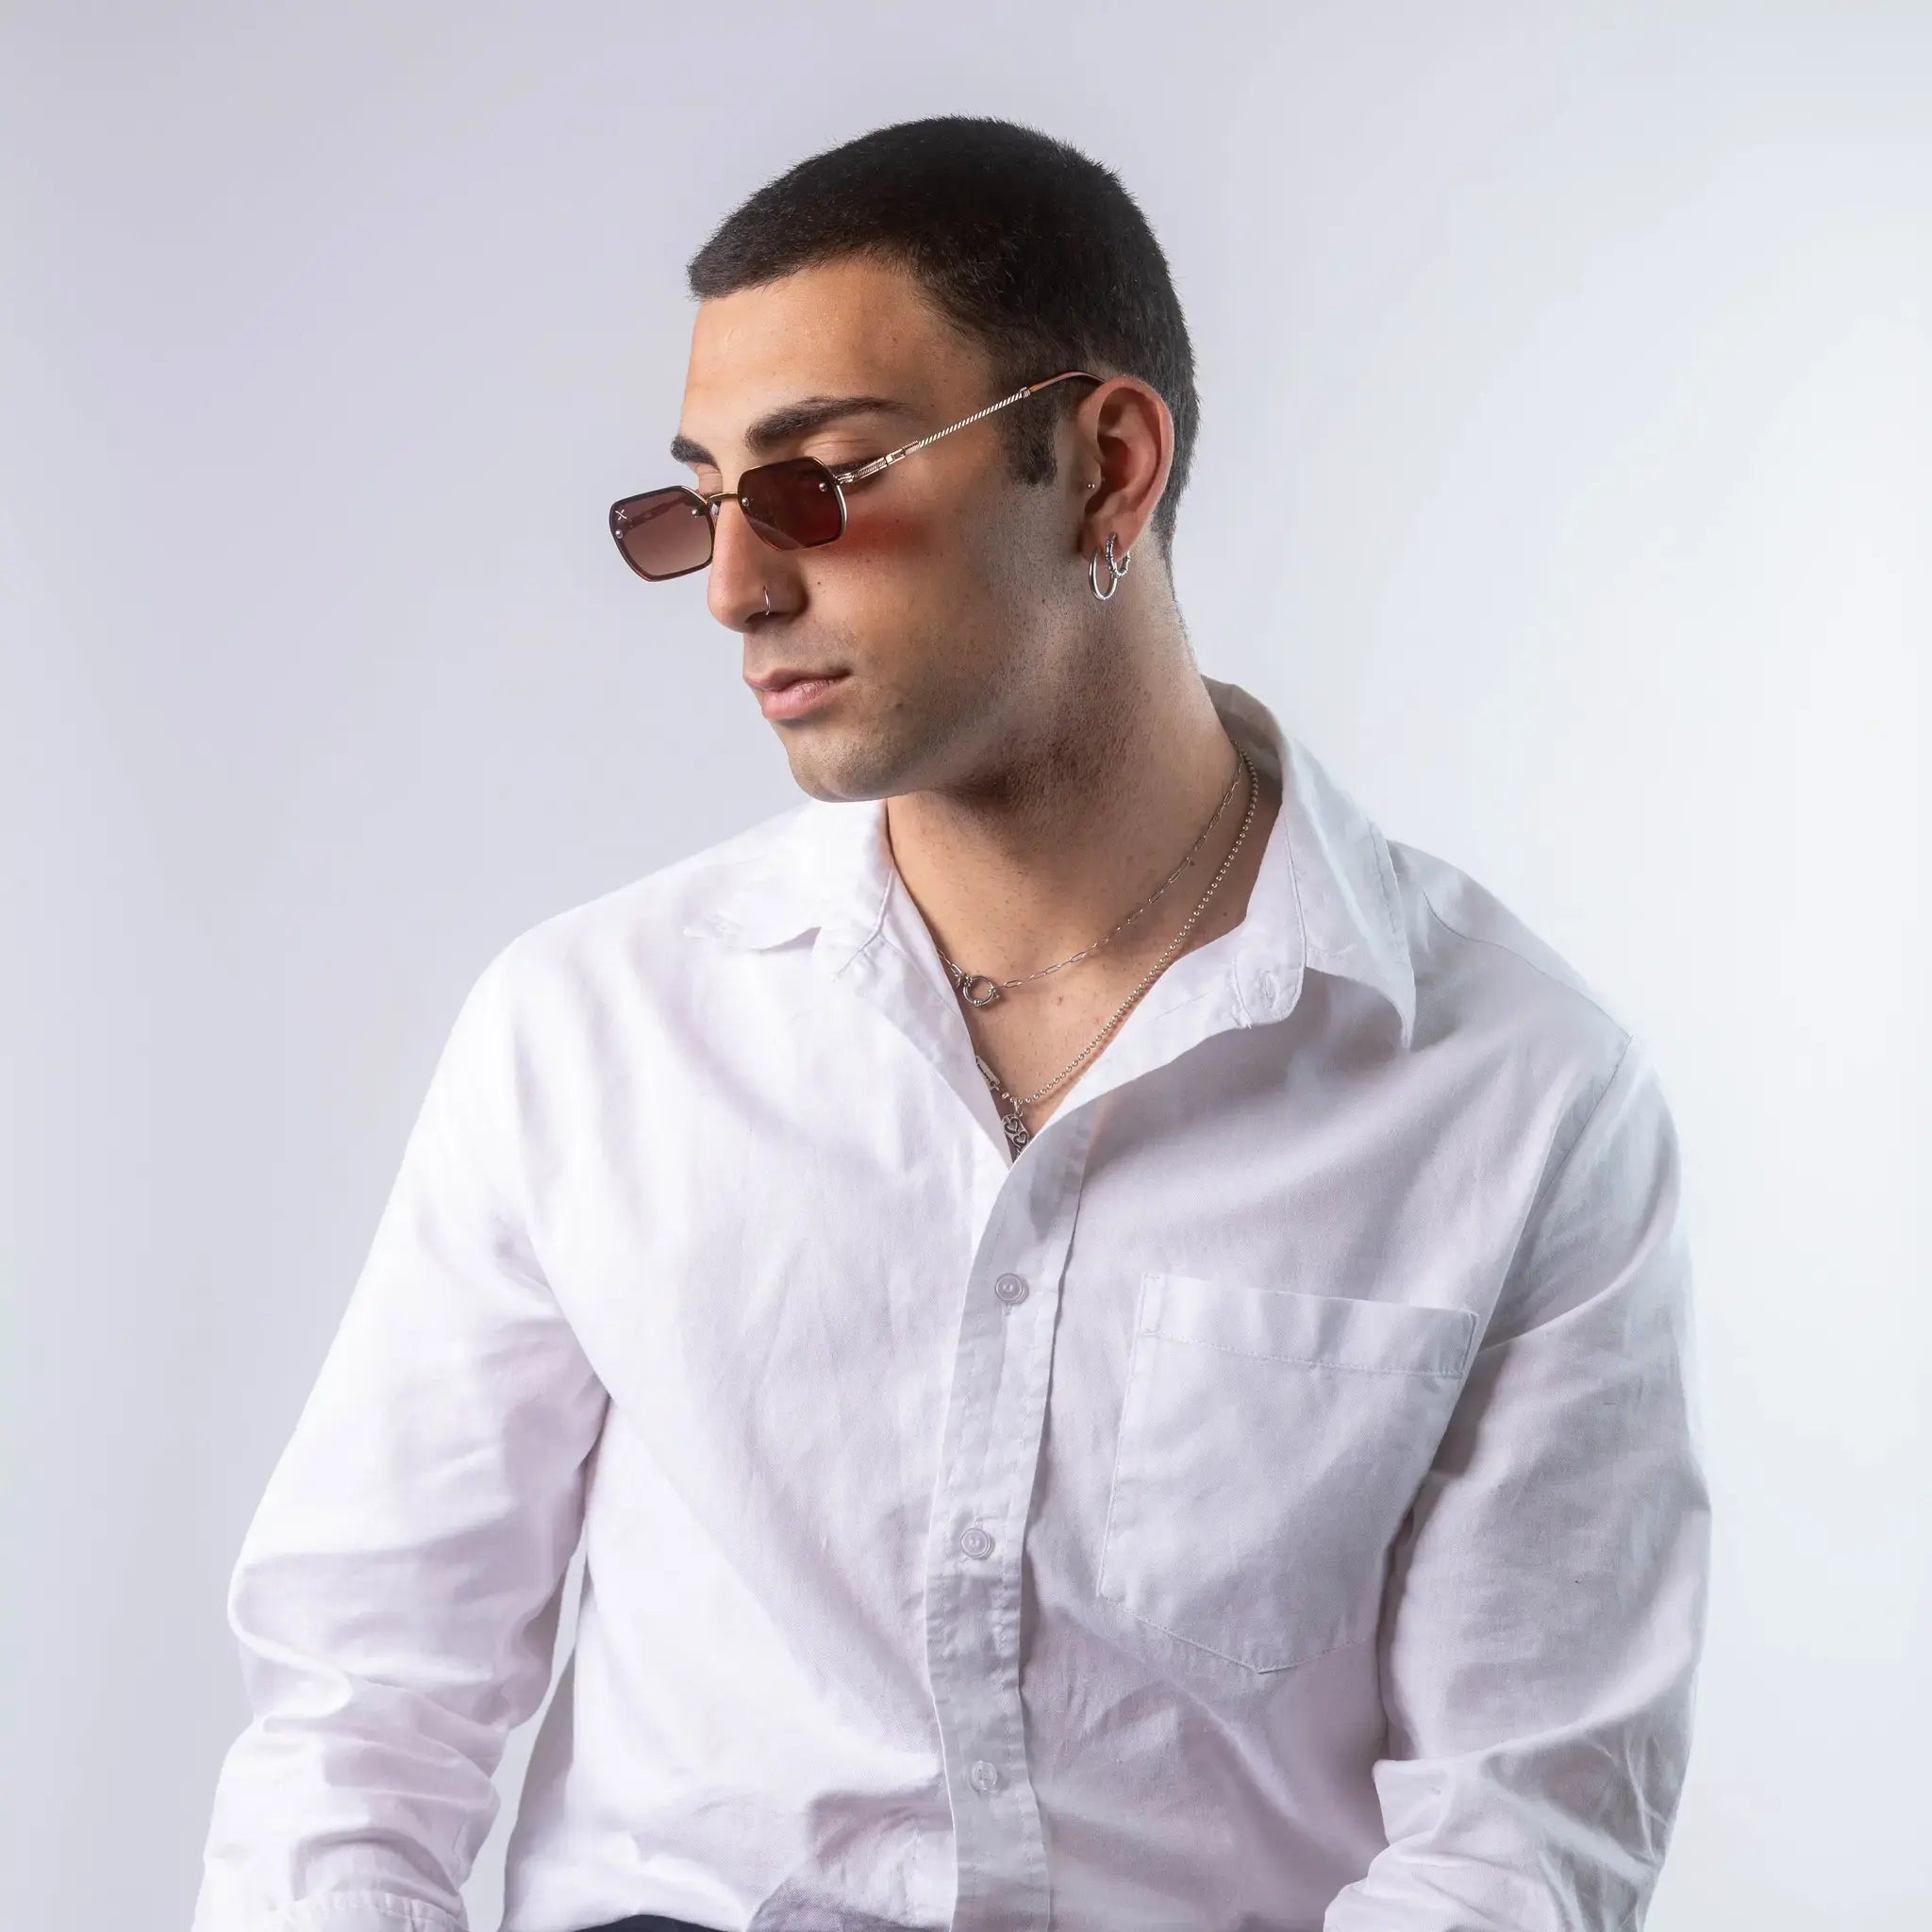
650 1921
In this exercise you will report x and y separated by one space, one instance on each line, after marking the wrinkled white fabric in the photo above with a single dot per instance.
1270 1501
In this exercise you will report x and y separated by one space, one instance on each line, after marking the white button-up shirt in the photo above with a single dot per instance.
1272 1499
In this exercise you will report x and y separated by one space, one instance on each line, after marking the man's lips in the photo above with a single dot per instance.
777 680
800 697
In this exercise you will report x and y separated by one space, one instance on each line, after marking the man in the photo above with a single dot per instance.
1119 1343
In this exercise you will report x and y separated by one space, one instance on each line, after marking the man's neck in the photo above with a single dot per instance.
1071 846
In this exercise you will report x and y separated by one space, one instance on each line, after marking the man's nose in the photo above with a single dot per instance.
740 562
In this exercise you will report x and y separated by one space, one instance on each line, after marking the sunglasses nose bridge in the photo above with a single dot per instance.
715 505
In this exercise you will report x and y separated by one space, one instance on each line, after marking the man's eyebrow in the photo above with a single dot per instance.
774 430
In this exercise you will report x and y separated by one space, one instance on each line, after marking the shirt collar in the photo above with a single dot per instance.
1325 898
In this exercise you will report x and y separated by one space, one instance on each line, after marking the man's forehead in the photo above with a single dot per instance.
784 349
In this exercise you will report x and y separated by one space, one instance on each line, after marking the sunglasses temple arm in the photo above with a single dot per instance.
899 456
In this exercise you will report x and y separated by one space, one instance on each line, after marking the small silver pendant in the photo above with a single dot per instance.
1017 1136
968 981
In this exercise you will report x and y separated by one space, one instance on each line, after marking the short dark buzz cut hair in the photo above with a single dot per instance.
1020 242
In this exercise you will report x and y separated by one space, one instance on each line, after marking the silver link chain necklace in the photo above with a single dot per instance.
976 990
1011 1104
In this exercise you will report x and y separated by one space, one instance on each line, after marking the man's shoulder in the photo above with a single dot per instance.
1484 973
638 926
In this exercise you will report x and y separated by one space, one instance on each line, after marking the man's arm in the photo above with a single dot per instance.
398 1591
1545 1608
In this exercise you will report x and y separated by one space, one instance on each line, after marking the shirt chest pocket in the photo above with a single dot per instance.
1270 1444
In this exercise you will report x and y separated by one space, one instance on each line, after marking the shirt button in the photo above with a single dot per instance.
1010 1288
984 1776
976 1541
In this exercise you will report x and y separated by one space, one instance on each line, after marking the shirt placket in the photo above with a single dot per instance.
989 1459
996 1405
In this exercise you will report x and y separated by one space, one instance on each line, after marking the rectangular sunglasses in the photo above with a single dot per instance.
796 504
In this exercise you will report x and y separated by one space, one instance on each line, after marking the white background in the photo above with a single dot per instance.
1565 482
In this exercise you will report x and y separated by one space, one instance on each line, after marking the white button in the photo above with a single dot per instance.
985 1776
976 1541
1010 1288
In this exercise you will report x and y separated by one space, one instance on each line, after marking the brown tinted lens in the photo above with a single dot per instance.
792 505
664 533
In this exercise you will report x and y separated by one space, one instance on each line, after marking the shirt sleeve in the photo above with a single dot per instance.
397 1592
1545 1604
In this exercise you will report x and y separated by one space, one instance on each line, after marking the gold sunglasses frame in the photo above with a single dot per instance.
843 479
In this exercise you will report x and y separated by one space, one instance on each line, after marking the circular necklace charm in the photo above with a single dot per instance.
988 989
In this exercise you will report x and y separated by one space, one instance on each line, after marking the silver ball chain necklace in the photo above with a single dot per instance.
976 990
1011 1104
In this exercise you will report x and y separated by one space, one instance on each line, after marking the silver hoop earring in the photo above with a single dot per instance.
1118 570
768 600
